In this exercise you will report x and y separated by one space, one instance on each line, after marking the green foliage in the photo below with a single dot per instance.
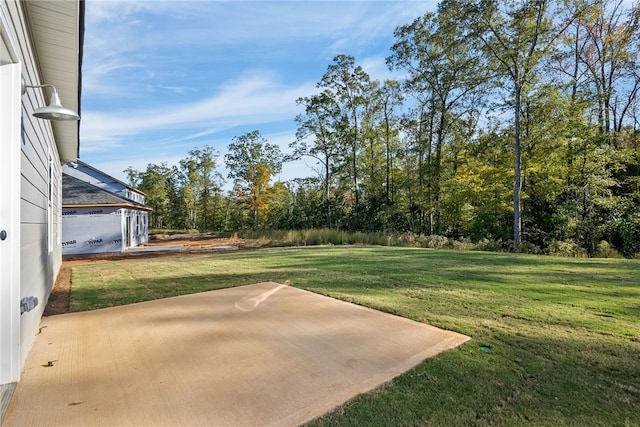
605 250
154 182
252 161
485 244
567 248
314 237
627 231
515 127
200 189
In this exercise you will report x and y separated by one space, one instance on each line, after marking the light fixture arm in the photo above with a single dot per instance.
53 111
25 86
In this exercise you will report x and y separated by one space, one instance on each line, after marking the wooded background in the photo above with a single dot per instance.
513 121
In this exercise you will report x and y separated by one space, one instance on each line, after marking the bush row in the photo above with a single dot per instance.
275 238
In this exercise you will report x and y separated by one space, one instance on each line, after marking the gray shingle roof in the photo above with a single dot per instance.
78 192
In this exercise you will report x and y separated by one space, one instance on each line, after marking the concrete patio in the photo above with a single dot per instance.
264 354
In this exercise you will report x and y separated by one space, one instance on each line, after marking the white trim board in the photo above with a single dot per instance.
10 152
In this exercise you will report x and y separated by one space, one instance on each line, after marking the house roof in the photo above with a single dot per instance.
113 180
77 193
57 30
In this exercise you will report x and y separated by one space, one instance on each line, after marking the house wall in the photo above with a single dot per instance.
139 226
93 230
77 231
40 186
102 230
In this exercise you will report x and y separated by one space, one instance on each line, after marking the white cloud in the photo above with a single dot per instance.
377 68
254 99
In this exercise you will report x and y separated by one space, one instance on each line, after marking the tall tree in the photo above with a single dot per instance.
252 161
178 217
319 121
391 98
347 84
518 35
417 126
445 68
373 148
201 184
153 182
611 58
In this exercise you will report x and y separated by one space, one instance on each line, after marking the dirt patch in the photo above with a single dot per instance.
59 299
187 244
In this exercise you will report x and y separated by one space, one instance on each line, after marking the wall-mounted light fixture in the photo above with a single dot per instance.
53 111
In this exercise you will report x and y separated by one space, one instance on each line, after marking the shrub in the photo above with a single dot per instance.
435 241
630 231
530 248
605 250
567 248
463 244
489 245
408 239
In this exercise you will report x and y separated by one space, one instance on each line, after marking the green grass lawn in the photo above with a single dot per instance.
555 341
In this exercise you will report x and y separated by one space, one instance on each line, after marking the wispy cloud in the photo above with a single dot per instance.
251 100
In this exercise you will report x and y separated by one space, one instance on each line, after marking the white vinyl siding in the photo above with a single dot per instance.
38 265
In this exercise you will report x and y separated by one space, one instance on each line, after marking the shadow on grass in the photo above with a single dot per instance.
416 283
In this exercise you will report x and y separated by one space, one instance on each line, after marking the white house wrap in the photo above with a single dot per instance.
97 217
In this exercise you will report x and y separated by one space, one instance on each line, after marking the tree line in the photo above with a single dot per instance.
514 121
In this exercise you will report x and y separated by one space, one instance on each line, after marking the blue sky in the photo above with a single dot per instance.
162 78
